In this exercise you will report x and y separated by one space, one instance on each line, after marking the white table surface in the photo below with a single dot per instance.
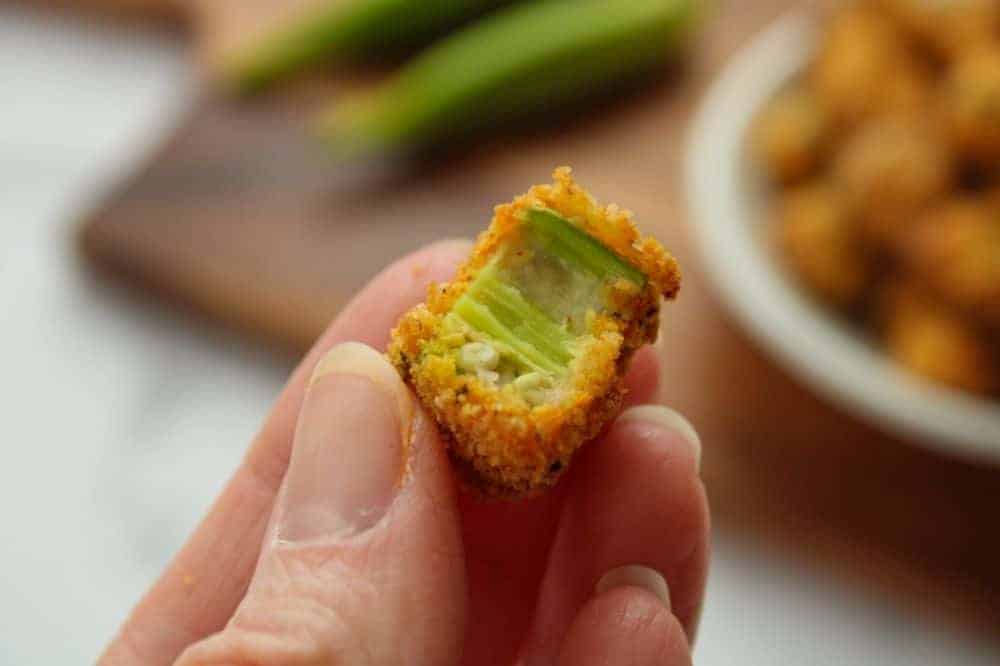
119 421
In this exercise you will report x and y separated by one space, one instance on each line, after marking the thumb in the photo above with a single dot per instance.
363 561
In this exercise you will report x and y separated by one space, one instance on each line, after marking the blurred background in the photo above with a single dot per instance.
191 189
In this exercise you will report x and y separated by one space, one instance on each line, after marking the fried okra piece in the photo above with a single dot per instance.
864 69
818 240
955 249
991 200
891 169
972 100
934 342
520 359
790 135
947 27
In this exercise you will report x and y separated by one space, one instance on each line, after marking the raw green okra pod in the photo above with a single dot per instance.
525 59
344 29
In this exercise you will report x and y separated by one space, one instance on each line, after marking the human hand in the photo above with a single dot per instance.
342 539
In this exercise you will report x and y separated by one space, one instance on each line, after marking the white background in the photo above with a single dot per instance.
119 422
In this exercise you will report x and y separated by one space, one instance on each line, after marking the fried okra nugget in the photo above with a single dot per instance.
891 169
818 241
955 249
972 100
991 200
521 358
947 27
864 69
789 135
933 341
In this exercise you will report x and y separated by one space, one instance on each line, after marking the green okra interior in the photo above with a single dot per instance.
550 232
533 300
500 312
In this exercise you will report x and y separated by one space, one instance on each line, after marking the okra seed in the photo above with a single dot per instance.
478 356
532 386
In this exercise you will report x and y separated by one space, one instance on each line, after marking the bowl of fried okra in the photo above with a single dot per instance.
844 184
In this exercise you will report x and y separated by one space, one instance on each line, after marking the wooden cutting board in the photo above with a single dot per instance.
243 218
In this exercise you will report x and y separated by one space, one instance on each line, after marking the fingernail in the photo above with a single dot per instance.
664 417
349 453
635 575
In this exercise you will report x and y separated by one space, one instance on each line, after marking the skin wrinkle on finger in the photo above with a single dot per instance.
318 632
308 577
638 619
287 613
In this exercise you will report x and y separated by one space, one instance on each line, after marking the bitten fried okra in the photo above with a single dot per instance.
521 358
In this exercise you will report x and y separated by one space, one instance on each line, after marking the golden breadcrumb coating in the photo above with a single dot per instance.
504 445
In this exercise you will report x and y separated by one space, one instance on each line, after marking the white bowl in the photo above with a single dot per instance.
729 218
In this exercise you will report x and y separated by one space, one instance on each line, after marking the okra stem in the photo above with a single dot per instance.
530 57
